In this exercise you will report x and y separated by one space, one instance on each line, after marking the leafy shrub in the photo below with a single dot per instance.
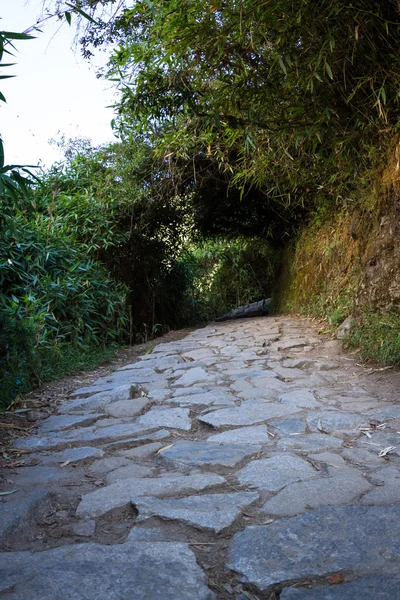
50 295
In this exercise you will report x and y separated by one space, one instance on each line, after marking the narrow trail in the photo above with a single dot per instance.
250 460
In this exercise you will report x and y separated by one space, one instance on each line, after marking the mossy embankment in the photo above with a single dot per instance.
347 263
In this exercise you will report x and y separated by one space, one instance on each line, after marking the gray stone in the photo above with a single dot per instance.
248 413
309 442
149 571
335 420
161 434
151 534
212 512
83 435
302 398
289 426
374 587
119 494
98 401
205 453
346 486
388 492
105 465
288 343
176 418
256 434
39 475
89 390
318 542
141 452
379 441
265 394
19 511
362 457
329 459
72 455
193 376
274 473
127 472
127 408
385 414
214 397
159 395
187 391
61 422
344 329
200 354
84 528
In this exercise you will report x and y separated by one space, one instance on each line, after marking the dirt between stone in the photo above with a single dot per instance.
309 503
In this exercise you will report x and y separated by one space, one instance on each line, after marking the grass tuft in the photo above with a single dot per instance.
378 337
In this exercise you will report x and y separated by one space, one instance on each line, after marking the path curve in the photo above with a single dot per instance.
250 458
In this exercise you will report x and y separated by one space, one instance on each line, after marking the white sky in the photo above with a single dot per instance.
55 91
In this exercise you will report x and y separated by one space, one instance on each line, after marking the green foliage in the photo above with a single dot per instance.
229 273
290 97
377 337
54 300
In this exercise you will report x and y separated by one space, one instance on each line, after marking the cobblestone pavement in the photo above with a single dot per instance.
251 460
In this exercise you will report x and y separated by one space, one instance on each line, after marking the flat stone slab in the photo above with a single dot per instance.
141 452
289 426
303 398
127 408
345 487
43 475
187 391
309 442
211 512
127 472
214 397
335 420
193 376
161 434
89 390
256 434
380 441
248 413
72 455
388 492
205 453
375 587
105 465
61 422
82 435
386 413
106 394
176 418
149 571
119 494
274 473
319 542
359 456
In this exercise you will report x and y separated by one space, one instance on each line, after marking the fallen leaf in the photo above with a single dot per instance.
165 448
8 493
386 451
335 578
64 464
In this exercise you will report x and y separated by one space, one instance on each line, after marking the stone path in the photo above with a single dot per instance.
239 463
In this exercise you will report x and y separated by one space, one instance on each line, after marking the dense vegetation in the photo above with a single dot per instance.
238 122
